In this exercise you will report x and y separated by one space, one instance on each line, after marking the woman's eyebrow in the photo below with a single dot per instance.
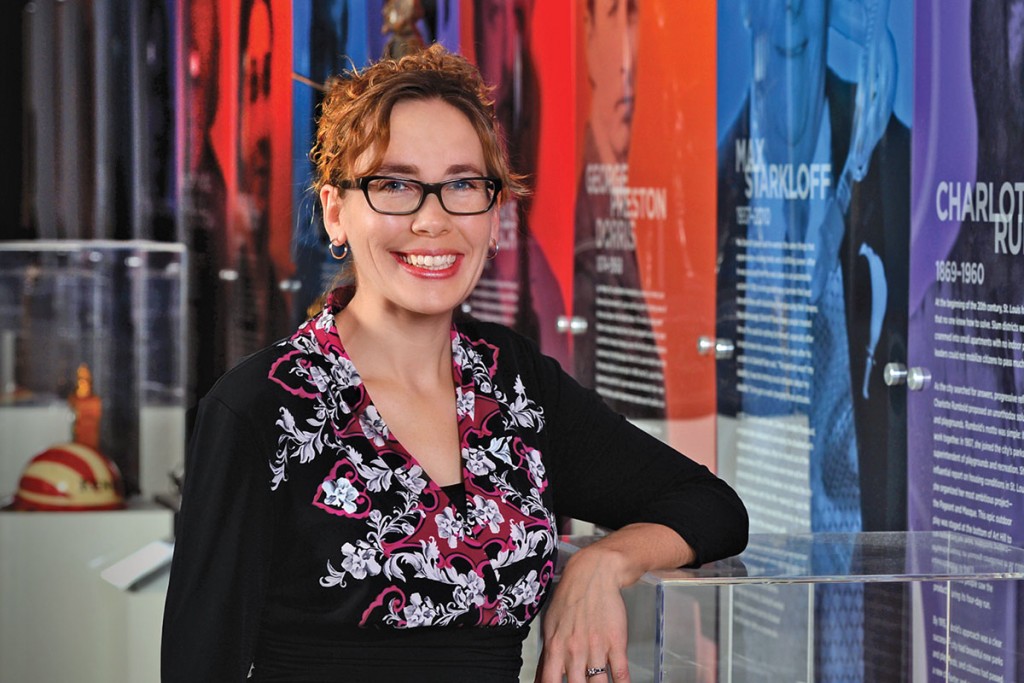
409 170
402 169
464 168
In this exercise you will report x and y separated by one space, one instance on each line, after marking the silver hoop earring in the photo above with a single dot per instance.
492 249
336 256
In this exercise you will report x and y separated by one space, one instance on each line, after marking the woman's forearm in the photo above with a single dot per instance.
635 549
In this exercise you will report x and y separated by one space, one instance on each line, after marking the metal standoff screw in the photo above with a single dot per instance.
918 379
571 324
894 374
722 348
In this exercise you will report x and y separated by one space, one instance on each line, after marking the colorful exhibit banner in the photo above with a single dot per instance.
643 266
521 49
235 119
327 39
966 351
813 221
813 214
498 38
259 191
203 160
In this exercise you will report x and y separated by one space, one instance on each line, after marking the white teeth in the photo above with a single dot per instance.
430 262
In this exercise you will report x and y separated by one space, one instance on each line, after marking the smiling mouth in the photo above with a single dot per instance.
429 261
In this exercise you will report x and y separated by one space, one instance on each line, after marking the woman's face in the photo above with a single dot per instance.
426 263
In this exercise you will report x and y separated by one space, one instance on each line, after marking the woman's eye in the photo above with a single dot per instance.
465 184
393 186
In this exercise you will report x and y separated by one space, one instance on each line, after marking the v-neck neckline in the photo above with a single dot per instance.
463 382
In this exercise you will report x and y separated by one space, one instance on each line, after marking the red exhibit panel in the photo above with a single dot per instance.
522 48
236 123
644 237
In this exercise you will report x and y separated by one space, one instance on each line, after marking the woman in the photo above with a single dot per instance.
375 497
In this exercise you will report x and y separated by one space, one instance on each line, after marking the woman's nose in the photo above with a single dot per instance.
431 219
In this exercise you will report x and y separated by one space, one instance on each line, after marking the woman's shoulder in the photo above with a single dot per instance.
494 333
516 354
505 339
250 379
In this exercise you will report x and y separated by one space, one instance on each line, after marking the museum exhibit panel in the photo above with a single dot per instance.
782 236
965 359
813 218
813 222
521 49
644 237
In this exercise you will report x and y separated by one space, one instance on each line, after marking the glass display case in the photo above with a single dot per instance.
106 314
892 606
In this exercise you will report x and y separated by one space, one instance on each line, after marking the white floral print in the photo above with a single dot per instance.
344 373
469 590
449 526
522 411
341 493
412 479
360 560
477 461
526 589
464 402
485 512
324 321
378 475
419 612
373 426
307 441
536 465
501 448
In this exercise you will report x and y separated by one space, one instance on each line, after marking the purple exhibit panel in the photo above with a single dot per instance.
965 445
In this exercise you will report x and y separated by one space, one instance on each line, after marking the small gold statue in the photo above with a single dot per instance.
88 408
400 17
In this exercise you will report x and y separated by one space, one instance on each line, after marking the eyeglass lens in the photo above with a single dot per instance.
458 196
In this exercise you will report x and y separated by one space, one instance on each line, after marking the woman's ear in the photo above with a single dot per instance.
330 202
495 221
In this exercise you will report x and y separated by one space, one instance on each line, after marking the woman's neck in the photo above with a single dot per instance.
413 350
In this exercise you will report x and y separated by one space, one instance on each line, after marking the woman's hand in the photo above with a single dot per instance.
584 625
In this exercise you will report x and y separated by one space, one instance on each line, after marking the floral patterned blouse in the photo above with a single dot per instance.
312 546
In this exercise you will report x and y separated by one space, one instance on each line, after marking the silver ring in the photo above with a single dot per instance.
596 670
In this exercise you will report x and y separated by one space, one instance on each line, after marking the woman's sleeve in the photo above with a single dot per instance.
222 553
605 470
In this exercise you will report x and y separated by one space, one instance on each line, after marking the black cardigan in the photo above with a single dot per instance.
311 546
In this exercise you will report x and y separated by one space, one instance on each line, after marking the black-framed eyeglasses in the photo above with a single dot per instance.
404 196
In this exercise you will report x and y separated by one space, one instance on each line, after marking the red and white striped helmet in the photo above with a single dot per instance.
70 477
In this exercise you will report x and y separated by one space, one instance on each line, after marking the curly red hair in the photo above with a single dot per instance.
355 115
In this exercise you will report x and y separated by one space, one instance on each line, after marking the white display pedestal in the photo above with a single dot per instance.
59 619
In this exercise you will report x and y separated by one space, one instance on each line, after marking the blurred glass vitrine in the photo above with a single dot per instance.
115 307
869 606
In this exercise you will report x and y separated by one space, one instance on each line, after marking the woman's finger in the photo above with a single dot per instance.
618 666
